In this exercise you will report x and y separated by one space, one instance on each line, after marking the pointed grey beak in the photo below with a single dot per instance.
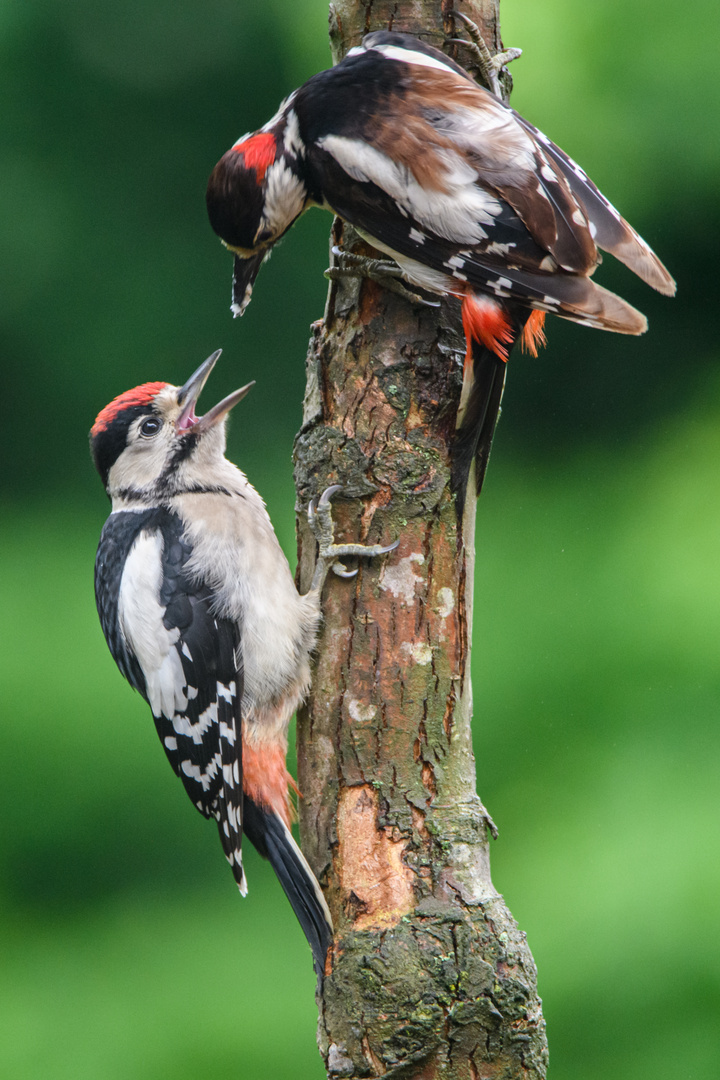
244 273
189 393
222 408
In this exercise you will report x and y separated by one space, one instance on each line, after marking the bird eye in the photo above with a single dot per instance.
150 427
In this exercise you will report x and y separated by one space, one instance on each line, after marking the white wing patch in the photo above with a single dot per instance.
457 214
141 621
409 56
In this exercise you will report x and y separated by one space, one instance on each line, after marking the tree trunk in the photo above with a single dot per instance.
429 975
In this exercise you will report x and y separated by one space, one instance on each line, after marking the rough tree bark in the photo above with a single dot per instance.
429 975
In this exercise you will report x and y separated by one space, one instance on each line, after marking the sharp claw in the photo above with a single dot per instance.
328 494
390 547
342 571
311 511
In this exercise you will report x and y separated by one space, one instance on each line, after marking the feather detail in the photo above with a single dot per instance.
485 321
266 778
533 336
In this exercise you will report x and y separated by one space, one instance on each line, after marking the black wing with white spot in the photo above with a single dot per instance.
438 171
507 264
182 657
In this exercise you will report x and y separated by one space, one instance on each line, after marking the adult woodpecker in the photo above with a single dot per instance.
201 614
468 198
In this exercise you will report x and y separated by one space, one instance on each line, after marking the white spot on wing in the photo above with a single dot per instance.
227 733
496 248
202 778
227 693
197 731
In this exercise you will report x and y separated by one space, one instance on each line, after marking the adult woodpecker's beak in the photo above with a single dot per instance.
189 393
244 273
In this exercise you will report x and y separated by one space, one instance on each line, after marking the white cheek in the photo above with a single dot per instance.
140 463
284 198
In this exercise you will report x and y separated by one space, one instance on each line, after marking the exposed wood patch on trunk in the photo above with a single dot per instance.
370 862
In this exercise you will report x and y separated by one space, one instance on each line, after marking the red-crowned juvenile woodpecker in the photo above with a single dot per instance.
200 612
468 198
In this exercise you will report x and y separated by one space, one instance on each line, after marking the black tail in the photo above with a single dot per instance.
272 838
473 439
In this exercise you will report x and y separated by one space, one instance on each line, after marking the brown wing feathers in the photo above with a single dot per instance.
446 117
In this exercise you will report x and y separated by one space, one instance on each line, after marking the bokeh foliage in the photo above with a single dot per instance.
125 950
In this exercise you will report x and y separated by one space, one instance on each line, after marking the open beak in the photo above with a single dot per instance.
244 273
189 393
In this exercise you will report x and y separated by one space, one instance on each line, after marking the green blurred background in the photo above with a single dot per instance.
125 950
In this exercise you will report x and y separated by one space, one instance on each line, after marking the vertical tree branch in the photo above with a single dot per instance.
429 975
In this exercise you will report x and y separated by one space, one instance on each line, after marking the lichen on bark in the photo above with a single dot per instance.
429 975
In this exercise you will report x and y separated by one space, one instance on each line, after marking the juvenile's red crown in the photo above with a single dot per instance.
141 395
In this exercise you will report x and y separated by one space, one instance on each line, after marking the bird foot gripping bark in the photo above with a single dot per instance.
321 522
490 66
384 271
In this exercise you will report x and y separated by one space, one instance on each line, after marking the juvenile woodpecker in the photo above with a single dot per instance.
466 196
199 609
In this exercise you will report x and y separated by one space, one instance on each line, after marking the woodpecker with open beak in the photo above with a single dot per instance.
466 196
201 614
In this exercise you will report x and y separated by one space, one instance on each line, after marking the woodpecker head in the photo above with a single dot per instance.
148 442
254 194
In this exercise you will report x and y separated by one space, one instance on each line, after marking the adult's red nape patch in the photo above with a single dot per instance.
259 152
485 321
141 395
